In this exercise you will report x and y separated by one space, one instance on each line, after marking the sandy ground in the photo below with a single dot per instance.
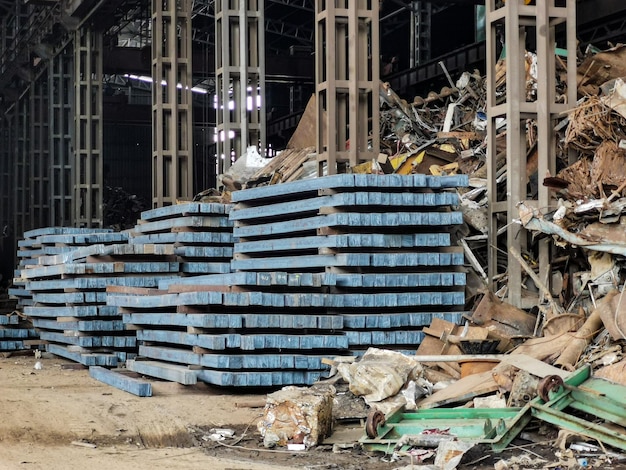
50 416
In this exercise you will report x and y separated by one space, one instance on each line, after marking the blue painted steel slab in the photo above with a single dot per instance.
61 231
354 240
164 370
199 320
93 283
186 209
351 219
205 251
391 201
351 181
100 268
169 354
184 222
407 280
186 238
198 267
9 320
350 259
87 359
168 337
138 387
72 311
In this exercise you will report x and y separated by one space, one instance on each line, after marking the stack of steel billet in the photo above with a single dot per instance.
244 329
69 295
201 232
16 332
324 267
46 242
386 237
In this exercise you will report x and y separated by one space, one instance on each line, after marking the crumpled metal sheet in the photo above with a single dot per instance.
611 241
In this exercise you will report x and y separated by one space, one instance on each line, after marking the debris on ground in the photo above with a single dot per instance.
297 415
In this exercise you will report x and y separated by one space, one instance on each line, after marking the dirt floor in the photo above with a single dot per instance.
59 418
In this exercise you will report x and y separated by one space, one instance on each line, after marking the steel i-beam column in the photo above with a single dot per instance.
40 162
347 83
87 168
514 21
22 166
172 118
61 93
421 16
240 78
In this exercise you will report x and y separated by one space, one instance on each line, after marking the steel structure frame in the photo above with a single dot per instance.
172 117
87 169
347 83
240 79
61 130
518 19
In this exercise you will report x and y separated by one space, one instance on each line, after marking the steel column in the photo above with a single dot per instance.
421 16
40 158
87 168
347 83
21 170
172 117
240 78
518 20
61 93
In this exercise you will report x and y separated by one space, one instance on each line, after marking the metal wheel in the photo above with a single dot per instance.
549 384
374 419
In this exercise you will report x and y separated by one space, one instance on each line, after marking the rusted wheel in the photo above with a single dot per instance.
549 384
374 419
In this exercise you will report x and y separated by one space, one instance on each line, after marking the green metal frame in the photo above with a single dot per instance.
499 426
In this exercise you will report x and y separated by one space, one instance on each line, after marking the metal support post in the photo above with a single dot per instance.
347 81
87 168
515 21
422 19
240 79
40 162
172 118
61 93
21 169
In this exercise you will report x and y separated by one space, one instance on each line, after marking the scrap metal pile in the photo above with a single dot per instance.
563 361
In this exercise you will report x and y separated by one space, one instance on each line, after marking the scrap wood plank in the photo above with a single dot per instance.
138 387
462 390
163 370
